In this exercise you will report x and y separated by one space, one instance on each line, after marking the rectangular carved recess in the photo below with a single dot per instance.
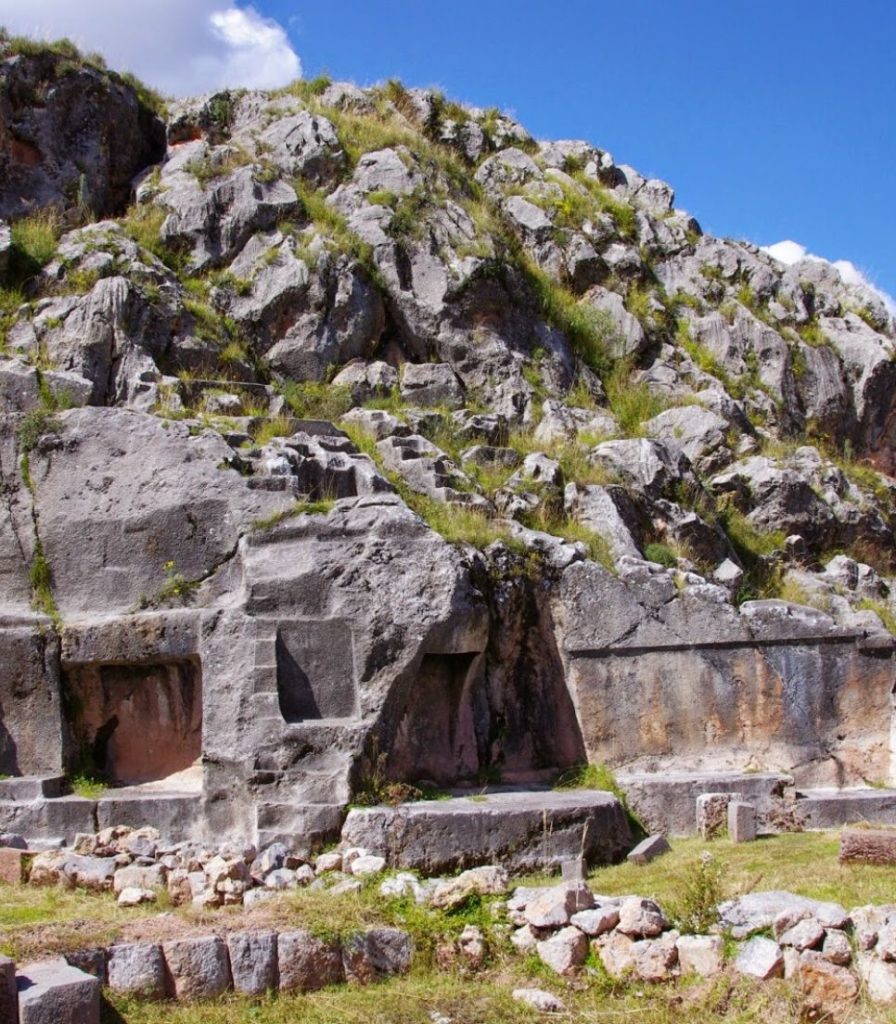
315 670
135 723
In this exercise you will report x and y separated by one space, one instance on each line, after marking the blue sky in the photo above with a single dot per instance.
773 120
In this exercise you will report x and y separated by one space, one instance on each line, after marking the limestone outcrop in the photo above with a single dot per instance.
376 443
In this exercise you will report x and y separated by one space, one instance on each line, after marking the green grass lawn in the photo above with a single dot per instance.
42 921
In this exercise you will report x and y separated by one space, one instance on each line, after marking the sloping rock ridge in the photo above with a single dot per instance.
354 439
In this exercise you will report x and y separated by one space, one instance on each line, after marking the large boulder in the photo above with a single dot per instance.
71 135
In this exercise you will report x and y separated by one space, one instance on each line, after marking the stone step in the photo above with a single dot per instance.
178 816
47 819
54 992
831 808
302 827
531 830
25 788
666 801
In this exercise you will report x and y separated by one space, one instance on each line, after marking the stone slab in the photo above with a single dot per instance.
48 819
9 997
253 962
524 831
54 992
177 816
832 808
649 849
665 801
25 788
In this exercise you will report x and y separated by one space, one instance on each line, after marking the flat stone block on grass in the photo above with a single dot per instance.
197 968
523 831
253 962
649 849
53 992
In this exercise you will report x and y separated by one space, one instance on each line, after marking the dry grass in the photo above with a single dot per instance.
43 921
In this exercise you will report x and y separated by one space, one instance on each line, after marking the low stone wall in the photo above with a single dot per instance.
204 967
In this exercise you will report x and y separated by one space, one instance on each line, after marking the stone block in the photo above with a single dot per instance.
596 922
377 953
554 907
641 919
137 969
712 814
527 831
253 962
741 822
136 876
649 849
54 992
701 954
307 963
14 865
574 870
91 961
196 968
9 999
565 951
761 958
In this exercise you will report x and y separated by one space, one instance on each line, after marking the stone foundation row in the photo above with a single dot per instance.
67 990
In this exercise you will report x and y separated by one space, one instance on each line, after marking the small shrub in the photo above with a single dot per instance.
695 911
34 241
88 785
662 554
176 585
40 577
317 400
35 425
632 403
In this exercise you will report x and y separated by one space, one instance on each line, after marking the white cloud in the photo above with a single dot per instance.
788 253
178 46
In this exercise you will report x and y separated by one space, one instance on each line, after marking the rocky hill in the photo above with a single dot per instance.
379 435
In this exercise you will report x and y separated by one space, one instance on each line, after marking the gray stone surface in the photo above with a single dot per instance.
525 831
196 968
712 814
741 822
649 849
761 958
253 961
759 910
701 954
53 992
137 969
9 999
665 800
307 963
377 953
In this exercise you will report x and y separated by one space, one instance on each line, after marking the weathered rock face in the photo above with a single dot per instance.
527 348
70 135
774 687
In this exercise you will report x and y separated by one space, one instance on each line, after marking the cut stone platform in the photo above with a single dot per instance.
666 801
178 816
831 808
524 831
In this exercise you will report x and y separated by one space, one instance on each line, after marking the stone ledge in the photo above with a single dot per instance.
524 831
